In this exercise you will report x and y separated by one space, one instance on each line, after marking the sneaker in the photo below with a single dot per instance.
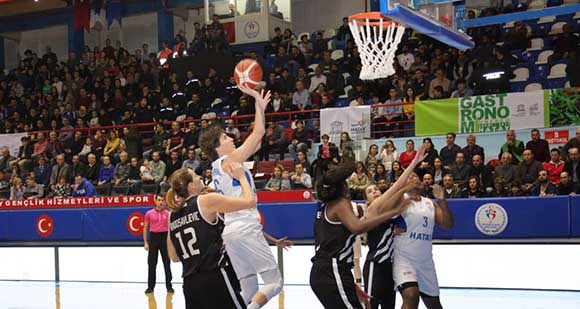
149 291
170 290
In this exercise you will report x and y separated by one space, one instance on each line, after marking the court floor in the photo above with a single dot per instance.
73 295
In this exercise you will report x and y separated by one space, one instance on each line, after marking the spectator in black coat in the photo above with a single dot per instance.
449 152
539 147
93 168
482 172
473 189
566 186
472 149
573 165
543 186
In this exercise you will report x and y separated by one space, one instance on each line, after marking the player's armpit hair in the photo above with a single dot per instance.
210 140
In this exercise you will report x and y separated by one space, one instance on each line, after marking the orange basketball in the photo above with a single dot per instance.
248 72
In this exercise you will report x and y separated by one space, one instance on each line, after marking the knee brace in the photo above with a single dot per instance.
249 287
273 283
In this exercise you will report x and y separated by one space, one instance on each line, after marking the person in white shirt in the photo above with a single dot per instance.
317 79
406 59
301 179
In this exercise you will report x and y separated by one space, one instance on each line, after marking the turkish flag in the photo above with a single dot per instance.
82 15
230 29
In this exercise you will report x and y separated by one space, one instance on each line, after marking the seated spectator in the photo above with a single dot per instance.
449 152
274 140
574 142
527 171
512 146
499 188
78 167
431 154
373 156
515 189
99 143
93 168
173 164
572 166
406 157
190 137
566 186
472 149
157 167
358 181
17 189
42 172
380 173
383 185
145 172
133 141
392 113
83 187
327 149
438 93
506 170
301 98
439 80
302 160
191 162
346 147
482 172
59 170
450 188
555 166
113 143
175 139
473 189
122 169
427 186
396 171
134 177
317 79
437 171
389 155
371 171
543 185
232 131
54 146
73 146
40 146
539 147
300 179
406 58
159 140
277 182
62 188
207 181
462 90
204 163
24 157
32 189
460 170
299 140
106 172
317 96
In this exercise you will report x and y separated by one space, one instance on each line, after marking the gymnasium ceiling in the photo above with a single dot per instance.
15 7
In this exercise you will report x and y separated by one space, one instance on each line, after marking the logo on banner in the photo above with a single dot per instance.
135 223
491 219
252 29
556 137
44 225
336 129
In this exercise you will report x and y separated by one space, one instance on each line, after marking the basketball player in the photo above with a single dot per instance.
195 239
413 267
335 229
246 246
156 221
378 268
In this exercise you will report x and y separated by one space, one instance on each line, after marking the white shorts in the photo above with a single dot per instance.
423 273
249 253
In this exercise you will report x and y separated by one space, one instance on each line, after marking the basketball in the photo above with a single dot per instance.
248 72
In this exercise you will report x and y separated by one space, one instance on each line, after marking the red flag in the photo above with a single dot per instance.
81 14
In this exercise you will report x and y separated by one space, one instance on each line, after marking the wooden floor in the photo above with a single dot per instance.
80 295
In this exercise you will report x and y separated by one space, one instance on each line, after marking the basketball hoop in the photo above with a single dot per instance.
377 39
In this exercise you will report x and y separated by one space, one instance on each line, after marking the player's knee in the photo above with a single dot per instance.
273 284
411 297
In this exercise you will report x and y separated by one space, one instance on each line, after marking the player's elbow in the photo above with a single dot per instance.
448 224
250 203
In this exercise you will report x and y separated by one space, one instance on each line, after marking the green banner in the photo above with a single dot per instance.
436 117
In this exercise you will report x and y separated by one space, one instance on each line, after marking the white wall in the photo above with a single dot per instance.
16 43
311 15
187 25
135 31
479 266
11 57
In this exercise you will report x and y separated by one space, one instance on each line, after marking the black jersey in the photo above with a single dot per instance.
332 239
198 243
380 242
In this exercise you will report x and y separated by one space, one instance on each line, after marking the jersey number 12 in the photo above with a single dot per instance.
190 251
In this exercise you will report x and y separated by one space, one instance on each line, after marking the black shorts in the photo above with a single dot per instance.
379 284
211 290
334 285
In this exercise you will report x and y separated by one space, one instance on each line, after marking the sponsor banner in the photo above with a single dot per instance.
12 141
556 137
79 202
486 113
354 120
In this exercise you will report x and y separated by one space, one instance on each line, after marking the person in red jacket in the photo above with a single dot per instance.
555 166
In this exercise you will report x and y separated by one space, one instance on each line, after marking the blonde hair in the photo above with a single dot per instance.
174 202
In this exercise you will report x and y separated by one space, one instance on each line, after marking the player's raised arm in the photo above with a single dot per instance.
254 140
357 226
443 215
215 202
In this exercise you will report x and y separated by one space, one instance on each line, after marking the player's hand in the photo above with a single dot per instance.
236 170
262 99
421 153
438 192
398 231
284 243
146 246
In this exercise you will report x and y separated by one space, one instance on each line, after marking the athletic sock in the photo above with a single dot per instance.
253 305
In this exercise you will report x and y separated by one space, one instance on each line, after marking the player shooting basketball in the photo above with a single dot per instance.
248 249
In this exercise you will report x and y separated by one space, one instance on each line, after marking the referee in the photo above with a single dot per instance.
157 220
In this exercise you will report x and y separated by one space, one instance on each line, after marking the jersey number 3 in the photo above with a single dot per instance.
425 221
190 251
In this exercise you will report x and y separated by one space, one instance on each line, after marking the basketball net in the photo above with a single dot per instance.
377 39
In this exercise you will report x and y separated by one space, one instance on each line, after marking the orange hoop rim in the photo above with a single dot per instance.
375 19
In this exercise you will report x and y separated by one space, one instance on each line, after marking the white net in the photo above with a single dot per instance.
377 44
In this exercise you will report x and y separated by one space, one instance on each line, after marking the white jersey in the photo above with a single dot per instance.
416 243
226 185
